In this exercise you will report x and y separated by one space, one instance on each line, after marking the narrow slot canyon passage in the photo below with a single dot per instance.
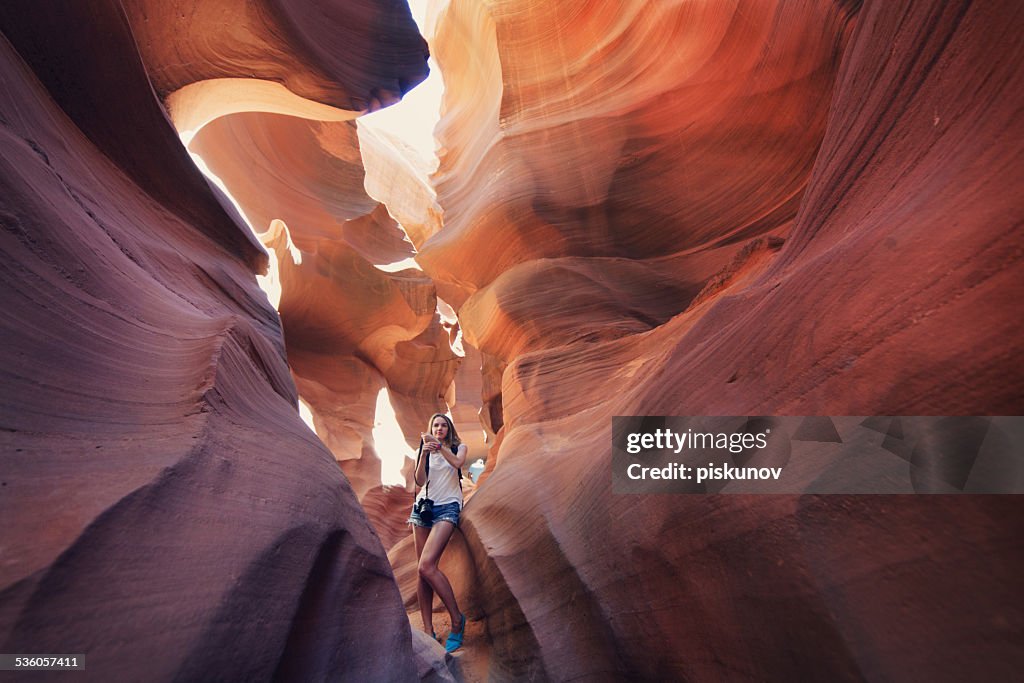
251 247
372 349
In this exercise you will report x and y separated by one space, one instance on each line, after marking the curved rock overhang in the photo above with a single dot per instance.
640 208
165 509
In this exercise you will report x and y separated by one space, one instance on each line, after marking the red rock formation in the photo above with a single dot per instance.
351 328
608 188
468 404
648 208
388 508
166 511
575 155
358 55
433 664
895 180
397 176
134 134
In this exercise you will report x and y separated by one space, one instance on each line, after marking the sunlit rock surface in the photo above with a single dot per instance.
165 509
636 130
716 208
399 177
284 150
350 326
640 208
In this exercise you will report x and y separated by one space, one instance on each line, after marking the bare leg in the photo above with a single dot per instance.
424 593
440 533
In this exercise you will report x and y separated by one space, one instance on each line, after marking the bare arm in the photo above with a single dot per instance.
456 459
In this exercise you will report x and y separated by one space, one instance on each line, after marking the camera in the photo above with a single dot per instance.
425 509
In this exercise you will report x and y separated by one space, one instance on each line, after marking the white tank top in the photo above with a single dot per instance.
443 482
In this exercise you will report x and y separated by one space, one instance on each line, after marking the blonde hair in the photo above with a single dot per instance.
452 437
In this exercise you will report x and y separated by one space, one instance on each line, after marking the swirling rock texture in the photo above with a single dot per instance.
641 208
165 509
351 328
279 142
307 58
732 208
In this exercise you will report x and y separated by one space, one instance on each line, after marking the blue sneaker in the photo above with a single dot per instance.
454 641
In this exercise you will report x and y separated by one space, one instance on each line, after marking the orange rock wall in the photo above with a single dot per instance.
640 208
350 328
717 208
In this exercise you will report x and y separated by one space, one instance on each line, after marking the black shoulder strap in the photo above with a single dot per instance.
460 471
426 482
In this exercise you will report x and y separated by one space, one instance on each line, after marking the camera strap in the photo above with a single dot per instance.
426 483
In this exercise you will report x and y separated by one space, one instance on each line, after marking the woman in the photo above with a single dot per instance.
441 456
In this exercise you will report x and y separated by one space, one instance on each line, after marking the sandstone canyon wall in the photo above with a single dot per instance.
662 207
732 208
165 509
350 327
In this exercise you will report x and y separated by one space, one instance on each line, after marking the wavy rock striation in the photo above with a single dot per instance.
627 168
353 324
322 60
148 414
640 208
706 208
351 328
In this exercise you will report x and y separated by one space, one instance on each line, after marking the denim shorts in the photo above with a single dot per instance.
449 512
